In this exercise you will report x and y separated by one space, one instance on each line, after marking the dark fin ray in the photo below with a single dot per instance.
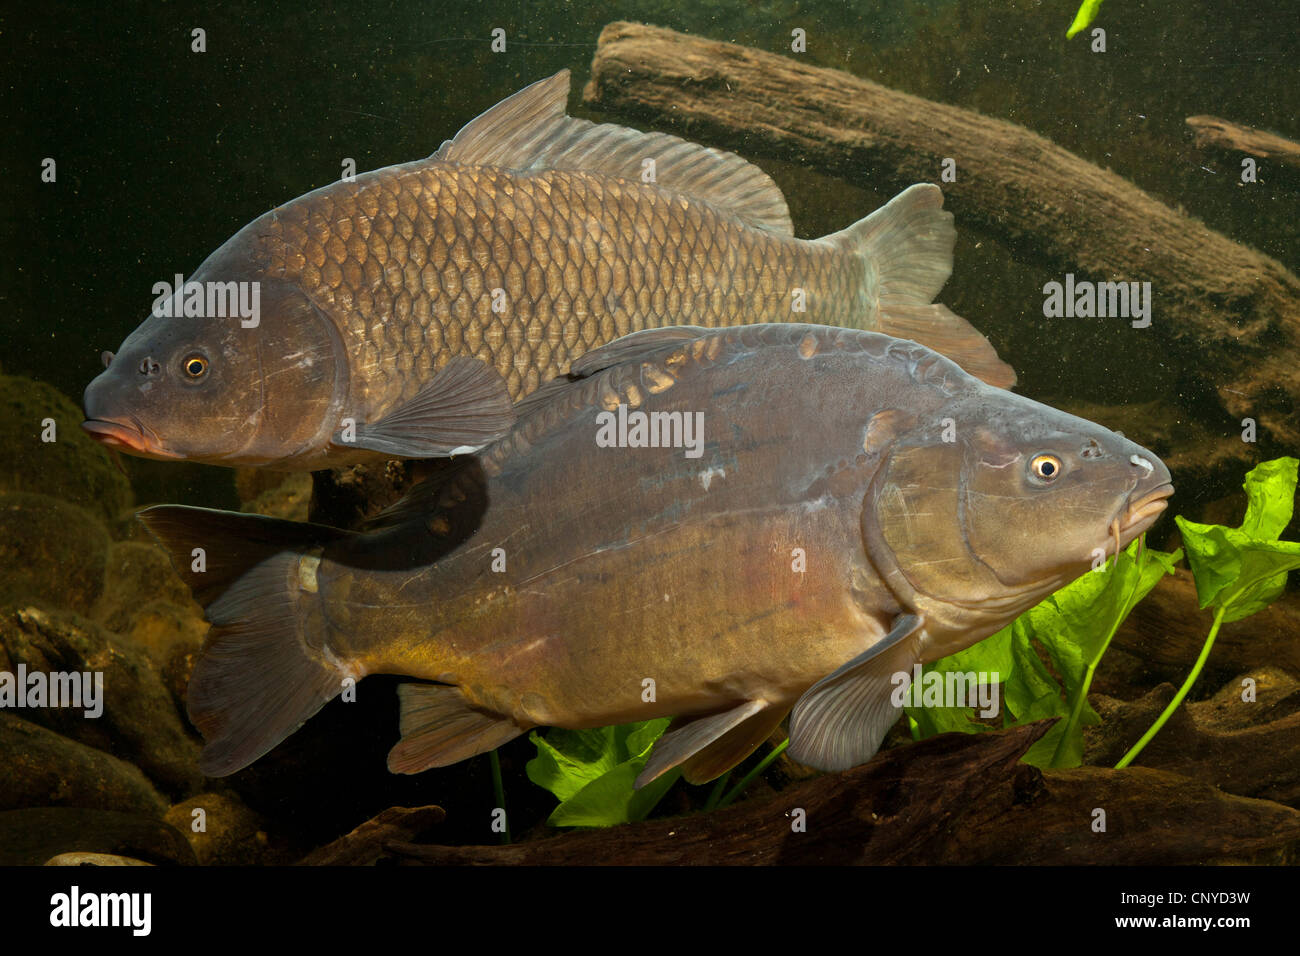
440 728
909 241
732 747
694 735
257 680
841 720
466 406
530 130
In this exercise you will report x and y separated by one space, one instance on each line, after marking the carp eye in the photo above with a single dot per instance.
1045 467
195 366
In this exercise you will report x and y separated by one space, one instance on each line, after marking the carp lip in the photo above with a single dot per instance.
1141 514
133 438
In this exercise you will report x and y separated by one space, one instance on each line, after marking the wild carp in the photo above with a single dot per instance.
399 314
715 525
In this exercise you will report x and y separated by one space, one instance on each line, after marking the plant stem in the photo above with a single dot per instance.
1077 710
499 791
1178 697
716 793
749 777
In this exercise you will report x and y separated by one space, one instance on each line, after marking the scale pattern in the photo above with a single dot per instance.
406 260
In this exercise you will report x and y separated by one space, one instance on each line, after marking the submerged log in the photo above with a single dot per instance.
1212 296
1233 137
1249 747
1168 629
955 798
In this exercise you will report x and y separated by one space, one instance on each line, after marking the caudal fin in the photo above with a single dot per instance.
909 240
260 676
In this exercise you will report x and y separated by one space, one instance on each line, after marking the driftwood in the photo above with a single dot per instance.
952 799
1212 296
1233 137
368 843
1168 629
1207 742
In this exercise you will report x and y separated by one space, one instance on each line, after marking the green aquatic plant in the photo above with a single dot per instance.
1074 627
1083 19
592 773
1238 571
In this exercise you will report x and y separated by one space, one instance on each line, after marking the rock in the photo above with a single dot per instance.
137 573
232 834
288 499
45 769
368 843
73 467
43 835
52 552
94 859
145 601
139 720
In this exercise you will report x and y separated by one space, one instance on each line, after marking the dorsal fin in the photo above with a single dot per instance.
635 347
530 131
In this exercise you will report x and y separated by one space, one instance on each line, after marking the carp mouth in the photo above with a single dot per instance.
133 438
1138 516
1145 510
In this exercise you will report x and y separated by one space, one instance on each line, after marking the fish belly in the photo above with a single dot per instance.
690 620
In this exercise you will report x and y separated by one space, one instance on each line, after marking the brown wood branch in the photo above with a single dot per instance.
1211 131
1212 296
954 798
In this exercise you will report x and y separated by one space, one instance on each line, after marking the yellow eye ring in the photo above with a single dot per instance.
1045 467
195 366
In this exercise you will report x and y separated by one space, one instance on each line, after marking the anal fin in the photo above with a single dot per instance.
466 406
695 736
732 747
440 728
840 721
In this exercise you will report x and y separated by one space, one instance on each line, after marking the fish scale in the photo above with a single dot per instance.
579 243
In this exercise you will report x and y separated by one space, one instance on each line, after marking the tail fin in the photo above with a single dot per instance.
261 675
910 240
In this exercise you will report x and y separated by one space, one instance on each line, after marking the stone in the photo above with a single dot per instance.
48 834
45 769
139 722
73 467
52 552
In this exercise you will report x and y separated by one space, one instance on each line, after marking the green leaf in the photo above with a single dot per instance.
1083 19
592 773
1073 627
1243 570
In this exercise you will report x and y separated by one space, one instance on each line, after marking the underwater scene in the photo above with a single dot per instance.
788 432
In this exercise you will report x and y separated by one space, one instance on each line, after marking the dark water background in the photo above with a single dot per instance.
164 153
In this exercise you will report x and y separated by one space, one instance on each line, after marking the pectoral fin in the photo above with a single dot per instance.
695 736
440 728
466 406
840 721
